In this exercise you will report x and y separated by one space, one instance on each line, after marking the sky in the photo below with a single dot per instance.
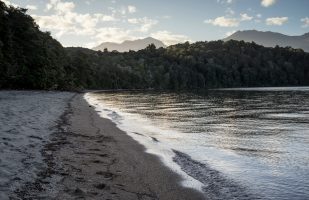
87 23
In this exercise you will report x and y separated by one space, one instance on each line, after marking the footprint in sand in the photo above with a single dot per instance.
94 150
106 175
97 161
80 179
100 186
103 155
103 138
78 192
119 185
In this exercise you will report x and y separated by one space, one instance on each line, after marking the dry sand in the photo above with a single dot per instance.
90 158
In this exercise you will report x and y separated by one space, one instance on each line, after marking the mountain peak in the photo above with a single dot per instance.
128 45
271 39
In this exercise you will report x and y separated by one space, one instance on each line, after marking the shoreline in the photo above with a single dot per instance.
90 158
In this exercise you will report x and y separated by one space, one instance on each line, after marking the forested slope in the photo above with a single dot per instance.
197 65
31 59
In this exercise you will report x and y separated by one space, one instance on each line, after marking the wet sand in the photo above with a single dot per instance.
90 158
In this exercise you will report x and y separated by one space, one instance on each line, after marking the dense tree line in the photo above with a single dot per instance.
31 59
189 66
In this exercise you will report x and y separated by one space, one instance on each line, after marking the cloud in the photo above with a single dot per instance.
113 34
223 22
131 9
267 3
305 22
9 3
145 23
225 1
245 17
106 18
230 11
31 7
90 45
277 21
64 20
60 7
123 10
169 38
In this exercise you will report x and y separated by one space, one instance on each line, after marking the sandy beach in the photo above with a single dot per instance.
90 158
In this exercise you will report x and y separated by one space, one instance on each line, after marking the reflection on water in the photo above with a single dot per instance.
259 138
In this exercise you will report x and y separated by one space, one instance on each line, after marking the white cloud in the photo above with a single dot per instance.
225 1
104 18
259 15
69 23
267 3
277 21
169 38
9 3
223 22
64 20
123 10
113 34
145 23
229 33
134 21
305 22
230 11
48 7
90 45
131 9
245 17
108 18
31 7
60 7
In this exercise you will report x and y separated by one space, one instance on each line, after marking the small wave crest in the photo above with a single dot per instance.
114 116
216 185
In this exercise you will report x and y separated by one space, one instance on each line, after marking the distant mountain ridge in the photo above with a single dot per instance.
128 45
271 39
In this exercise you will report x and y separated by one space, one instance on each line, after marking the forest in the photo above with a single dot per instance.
32 59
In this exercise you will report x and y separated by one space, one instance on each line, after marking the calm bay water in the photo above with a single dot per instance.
241 143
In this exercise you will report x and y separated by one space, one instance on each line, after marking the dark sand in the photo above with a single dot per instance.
90 158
